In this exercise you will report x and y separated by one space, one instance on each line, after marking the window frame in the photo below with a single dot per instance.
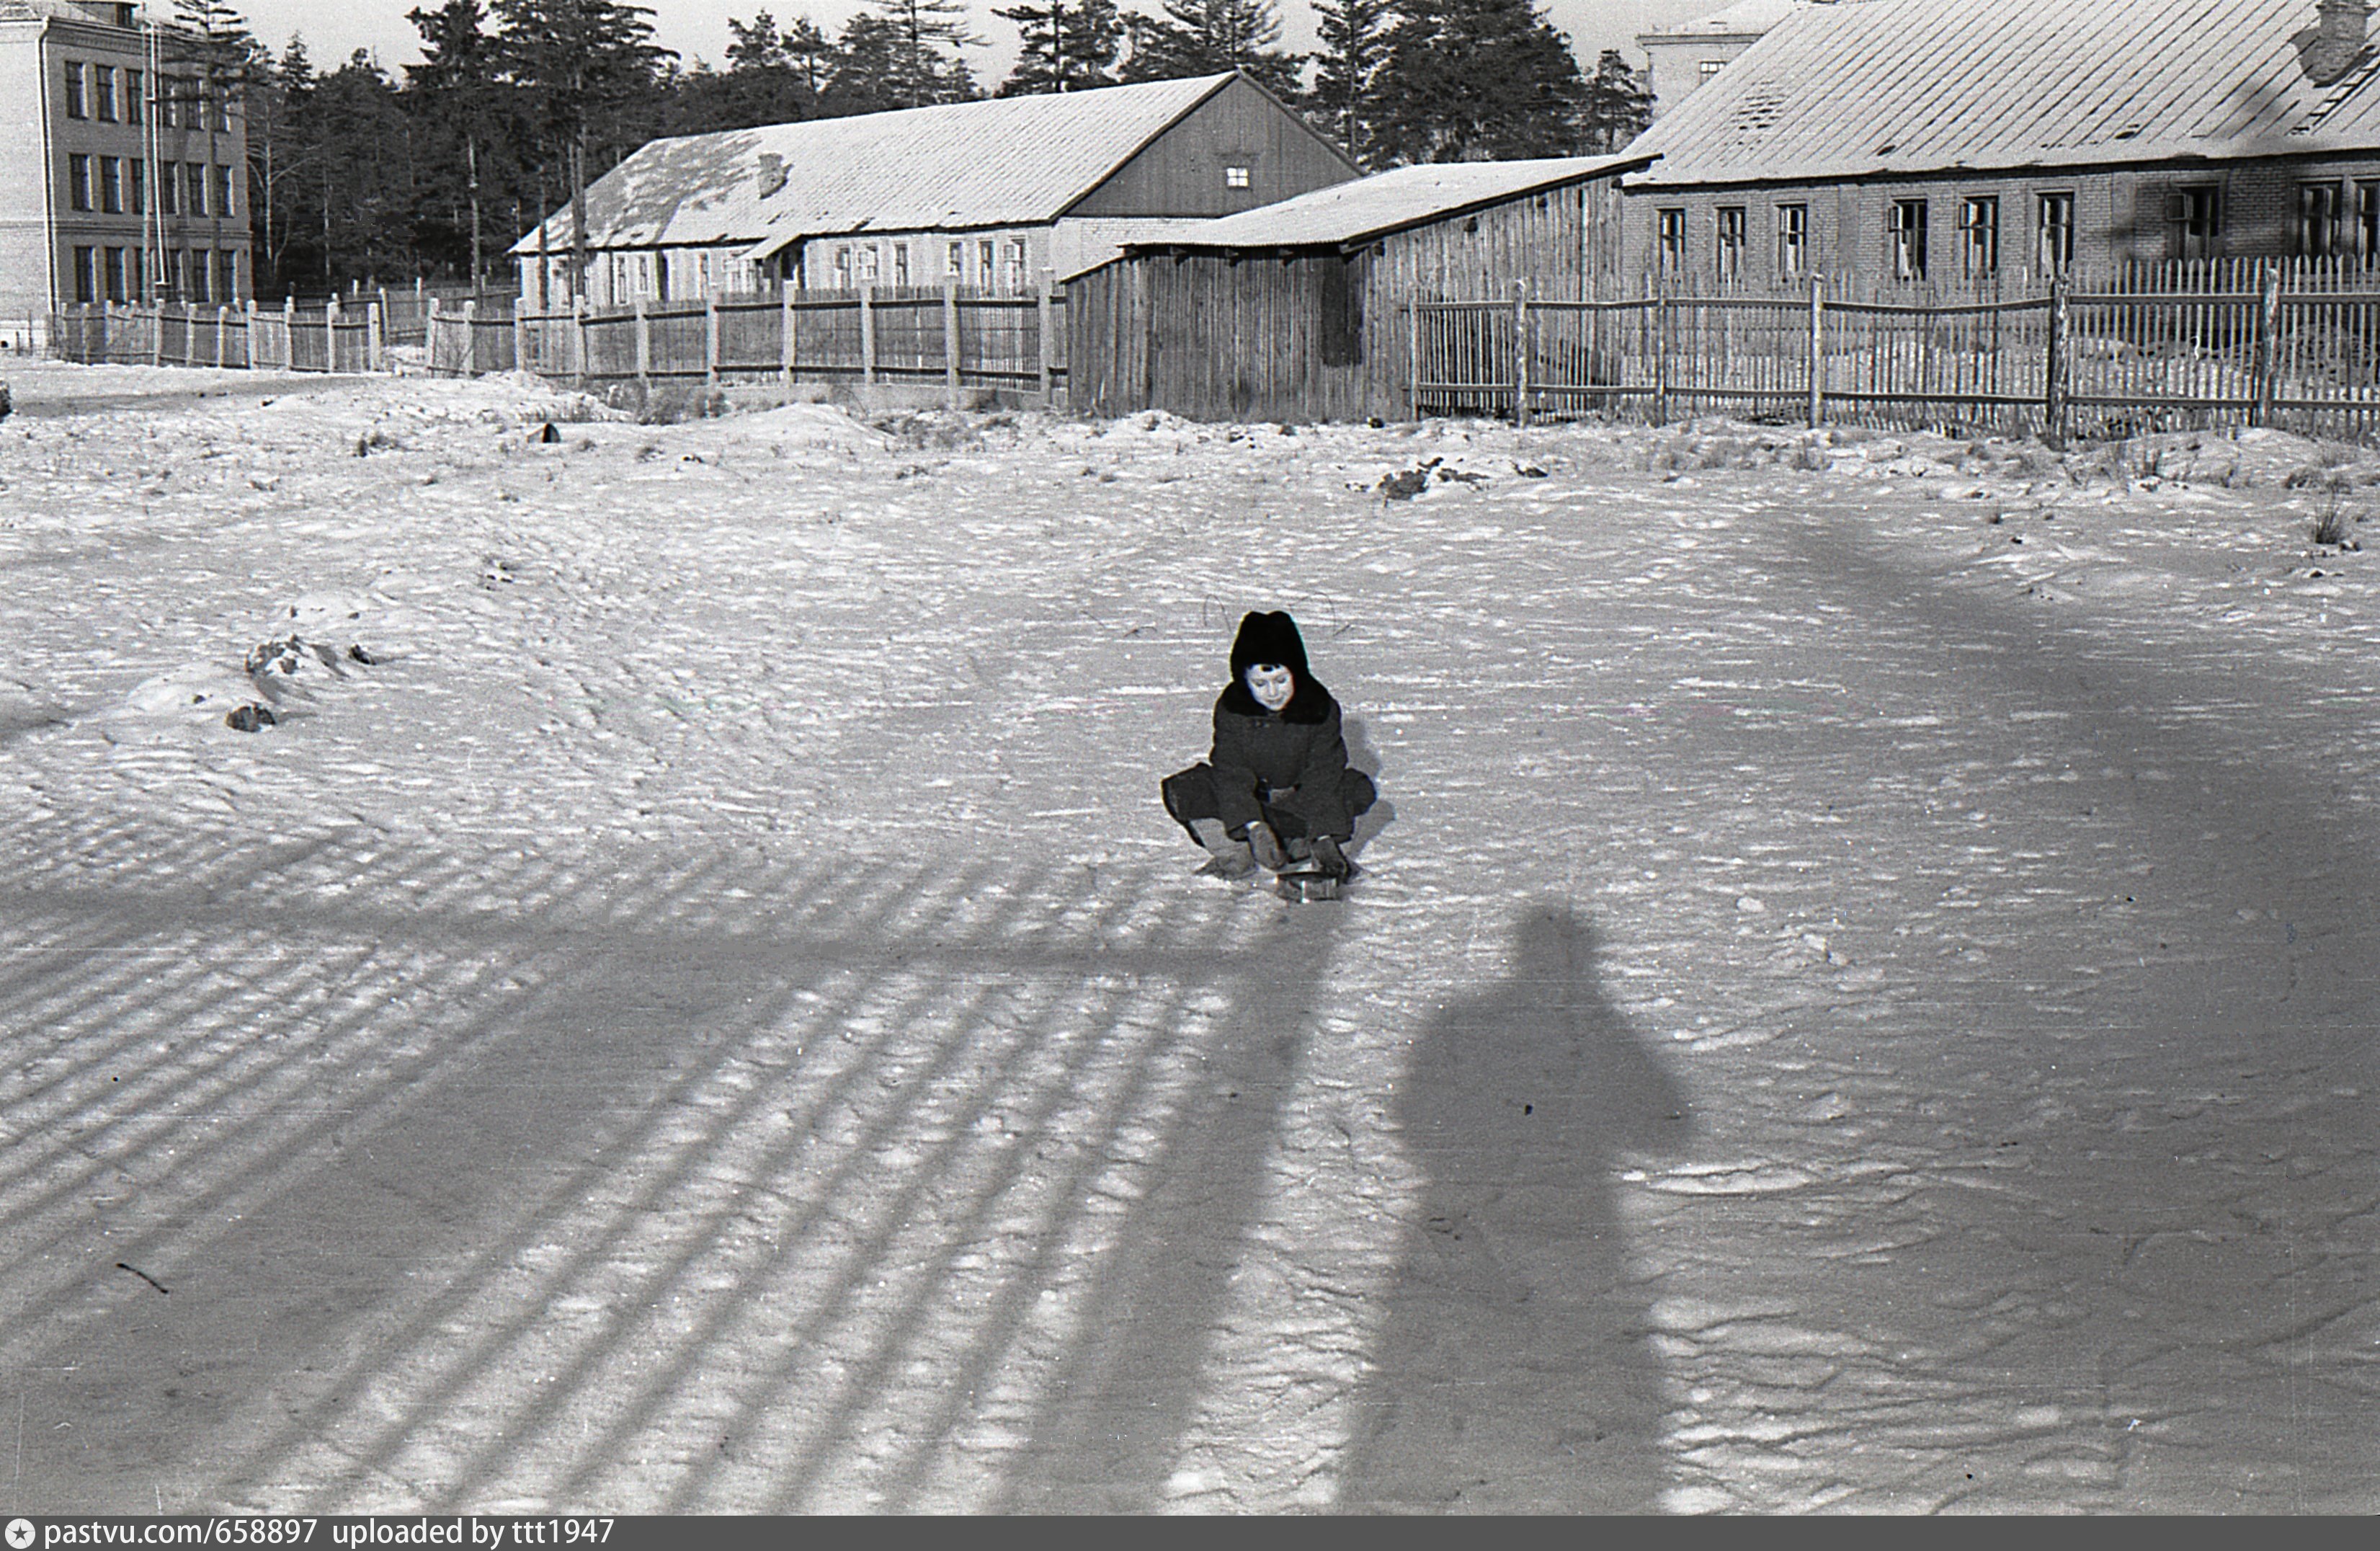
1906 239
1669 245
1979 236
103 93
221 195
1731 234
2061 203
79 183
1792 239
1238 174
78 92
169 192
2320 229
86 271
111 185
2195 217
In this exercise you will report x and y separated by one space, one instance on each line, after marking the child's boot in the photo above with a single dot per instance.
1329 858
1230 857
1266 847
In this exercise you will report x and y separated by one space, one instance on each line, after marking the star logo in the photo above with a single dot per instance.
20 1533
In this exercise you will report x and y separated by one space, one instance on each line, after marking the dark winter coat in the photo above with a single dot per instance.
1293 759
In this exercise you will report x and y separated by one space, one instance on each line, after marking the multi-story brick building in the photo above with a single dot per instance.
1891 143
131 180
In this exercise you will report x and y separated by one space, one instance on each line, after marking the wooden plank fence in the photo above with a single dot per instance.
948 337
330 339
2286 345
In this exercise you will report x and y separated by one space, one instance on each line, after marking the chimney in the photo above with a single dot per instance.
2338 41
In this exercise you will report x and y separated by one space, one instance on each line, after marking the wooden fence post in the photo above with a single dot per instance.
1817 351
644 343
223 326
248 333
1521 353
951 340
2053 407
1413 354
578 338
1048 341
2268 340
470 336
1660 355
430 336
289 334
157 334
520 336
788 341
375 320
710 337
867 334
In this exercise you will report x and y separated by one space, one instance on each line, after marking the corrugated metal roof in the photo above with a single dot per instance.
1391 201
1877 86
1007 161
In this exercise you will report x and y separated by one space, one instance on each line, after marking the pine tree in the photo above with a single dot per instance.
1066 48
1201 37
1469 80
459 119
1354 35
224 57
877 67
1618 105
923 64
583 68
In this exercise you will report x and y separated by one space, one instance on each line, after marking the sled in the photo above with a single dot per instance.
1304 883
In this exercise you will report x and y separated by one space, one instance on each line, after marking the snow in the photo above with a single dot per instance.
1858 998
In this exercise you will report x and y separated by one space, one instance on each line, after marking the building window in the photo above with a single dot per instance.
114 275
194 269
1793 241
843 267
985 274
2367 221
1706 69
77 182
2320 229
1979 236
2197 218
901 264
1670 250
1727 241
1015 275
85 292
78 107
136 182
223 192
227 274
111 185
1906 230
957 261
217 107
197 179
132 84
102 92
169 90
869 261
169 178
2057 233
1235 177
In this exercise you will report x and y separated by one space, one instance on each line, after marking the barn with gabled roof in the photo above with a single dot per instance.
995 194
1903 142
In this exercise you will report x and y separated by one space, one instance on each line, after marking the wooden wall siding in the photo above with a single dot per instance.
1315 336
1181 173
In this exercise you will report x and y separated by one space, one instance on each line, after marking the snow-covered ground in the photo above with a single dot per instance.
1862 996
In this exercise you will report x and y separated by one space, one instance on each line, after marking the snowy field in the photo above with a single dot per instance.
1860 996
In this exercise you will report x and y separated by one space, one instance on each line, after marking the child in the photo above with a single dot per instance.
1277 786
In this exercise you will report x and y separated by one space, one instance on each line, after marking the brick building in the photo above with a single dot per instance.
1898 143
995 195
1680 58
131 182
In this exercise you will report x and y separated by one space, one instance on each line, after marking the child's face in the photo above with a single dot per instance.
1271 684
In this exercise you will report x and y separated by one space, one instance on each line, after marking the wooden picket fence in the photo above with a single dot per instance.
327 338
948 337
2236 343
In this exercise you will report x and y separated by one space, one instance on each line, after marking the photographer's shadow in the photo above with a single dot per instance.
1514 1371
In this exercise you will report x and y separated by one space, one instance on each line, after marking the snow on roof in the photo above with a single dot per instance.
1745 18
1391 201
1869 86
1004 161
